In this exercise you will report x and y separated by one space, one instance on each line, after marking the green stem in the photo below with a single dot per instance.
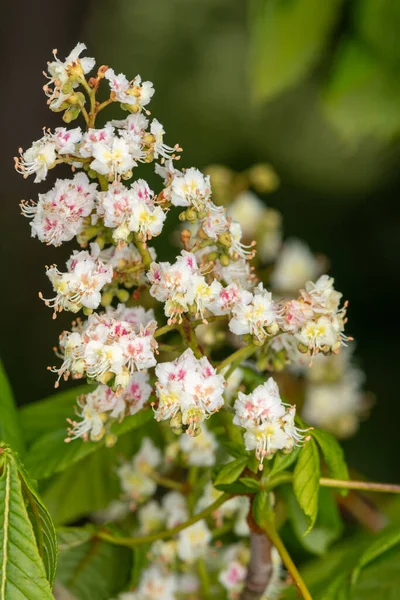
387 488
167 482
92 97
274 538
103 182
162 535
104 104
143 251
237 357
204 579
165 329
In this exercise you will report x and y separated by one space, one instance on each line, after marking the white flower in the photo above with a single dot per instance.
268 422
92 421
248 210
59 214
61 73
95 136
151 518
188 389
130 210
215 222
233 576
193 542
38 159
200 451
228 297
191 188
159 148
119 86
336 406
181 286
134 475
112 159
175 508
107 345
154 585
256 314
294 266
237 248
81 284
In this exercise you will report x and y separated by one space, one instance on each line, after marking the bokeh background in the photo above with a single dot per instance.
310 86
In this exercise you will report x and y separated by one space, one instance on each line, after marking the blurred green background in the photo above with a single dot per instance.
311 86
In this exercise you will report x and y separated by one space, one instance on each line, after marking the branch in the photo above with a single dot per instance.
260 568
162 535
386 488
238 356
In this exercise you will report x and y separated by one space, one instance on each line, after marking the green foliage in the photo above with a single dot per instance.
51 454
22 570
281 461
362 95
333 455
287 39
49 414
91 568
306 481
378 25
10 430
262 511
230 472
253 485
328 525
383 543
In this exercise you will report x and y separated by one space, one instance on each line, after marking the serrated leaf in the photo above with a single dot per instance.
306 481
380 580
253 485
42 523
231 471
328 525
94 569
49 414
287 38
51 454
281 461
384 541
333 455
10 429
262 511
22 572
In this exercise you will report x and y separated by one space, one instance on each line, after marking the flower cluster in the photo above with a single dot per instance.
110 346
268 422
188 390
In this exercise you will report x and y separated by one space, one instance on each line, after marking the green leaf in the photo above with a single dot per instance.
231 471
262 511
10 430
253 485
287 39
333 455
233 448
385 540
70 537
328 525
306 481
140 562
42 523
362 96
51 454
22 572
380 580
378 24
49 414
281 461
93 569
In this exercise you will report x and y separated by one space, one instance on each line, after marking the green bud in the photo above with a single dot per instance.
106 299
110 440
123 295
101 241
87 311
302 348
92 174
225 239
182 216
71 114
67 88
127 175
224 260
191 214
212 256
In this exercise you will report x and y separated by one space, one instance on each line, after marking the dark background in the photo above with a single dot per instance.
332 136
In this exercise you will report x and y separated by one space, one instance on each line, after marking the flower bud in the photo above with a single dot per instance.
225 239
71 114
302 348
212 256
110 440
123 295
122 379
67 88
106 299
182 216
191 215
224 260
